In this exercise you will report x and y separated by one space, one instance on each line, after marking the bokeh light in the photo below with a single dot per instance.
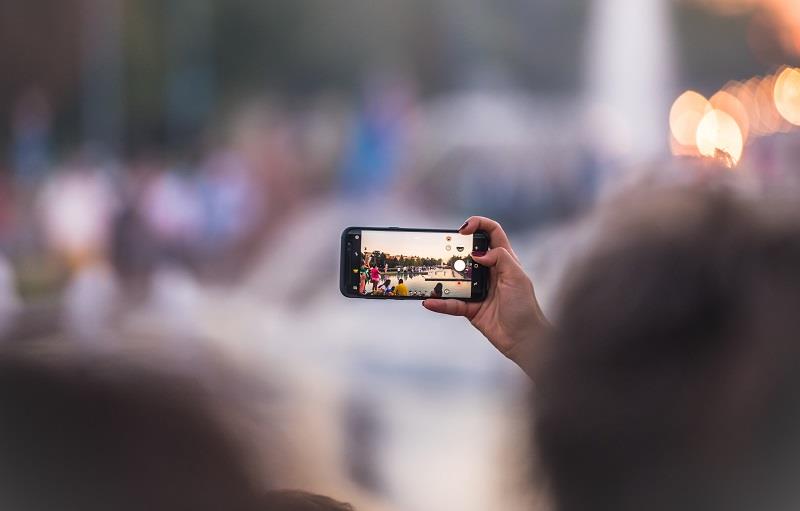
731 105
685 116
769 119
719 137
744 92
787 95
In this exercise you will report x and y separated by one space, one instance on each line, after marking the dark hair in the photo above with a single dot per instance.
673 378
291 500
399 281
77 436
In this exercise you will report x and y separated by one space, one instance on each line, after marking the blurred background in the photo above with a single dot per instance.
176 174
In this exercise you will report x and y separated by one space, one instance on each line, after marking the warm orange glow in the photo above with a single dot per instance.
685 115
769 120
719 137
744 93
679 149
731 105
787 95
747 93
786 14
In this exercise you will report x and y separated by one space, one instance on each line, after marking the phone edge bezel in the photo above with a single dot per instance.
344 269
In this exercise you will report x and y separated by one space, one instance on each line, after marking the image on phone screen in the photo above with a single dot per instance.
395 263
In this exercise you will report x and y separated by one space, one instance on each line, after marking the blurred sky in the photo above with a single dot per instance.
431 245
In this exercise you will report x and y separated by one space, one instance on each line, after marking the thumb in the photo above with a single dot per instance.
452 307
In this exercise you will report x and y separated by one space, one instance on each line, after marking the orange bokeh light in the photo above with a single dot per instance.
731 105
769 118
719 137
685 115
787 95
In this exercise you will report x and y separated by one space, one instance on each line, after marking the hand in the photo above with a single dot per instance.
510 317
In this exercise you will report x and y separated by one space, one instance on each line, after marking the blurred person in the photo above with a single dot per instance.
133 246
231 201
31 134
92 302
437 290
264 135
380 137
172 210
77 207
670 379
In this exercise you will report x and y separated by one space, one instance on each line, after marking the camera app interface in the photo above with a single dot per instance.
415 264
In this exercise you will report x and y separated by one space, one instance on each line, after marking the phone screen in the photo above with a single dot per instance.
413 264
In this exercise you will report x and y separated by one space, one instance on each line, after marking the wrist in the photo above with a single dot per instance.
526 351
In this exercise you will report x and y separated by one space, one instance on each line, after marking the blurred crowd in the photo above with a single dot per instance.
210 206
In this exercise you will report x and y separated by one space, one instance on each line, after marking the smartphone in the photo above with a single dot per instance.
391 263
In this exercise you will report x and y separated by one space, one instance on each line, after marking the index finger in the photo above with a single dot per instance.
497 236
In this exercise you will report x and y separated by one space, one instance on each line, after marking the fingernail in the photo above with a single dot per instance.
464 226
478 253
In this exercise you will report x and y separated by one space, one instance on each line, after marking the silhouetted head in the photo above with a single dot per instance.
301 501
81 437
673 378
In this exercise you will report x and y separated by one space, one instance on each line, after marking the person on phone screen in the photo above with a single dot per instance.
387 288
670 377
362 281
401 289
437 290
375 277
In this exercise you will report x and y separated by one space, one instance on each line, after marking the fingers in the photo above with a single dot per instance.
497 236
452 307
499 259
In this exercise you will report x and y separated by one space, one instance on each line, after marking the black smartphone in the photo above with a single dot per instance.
412 264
